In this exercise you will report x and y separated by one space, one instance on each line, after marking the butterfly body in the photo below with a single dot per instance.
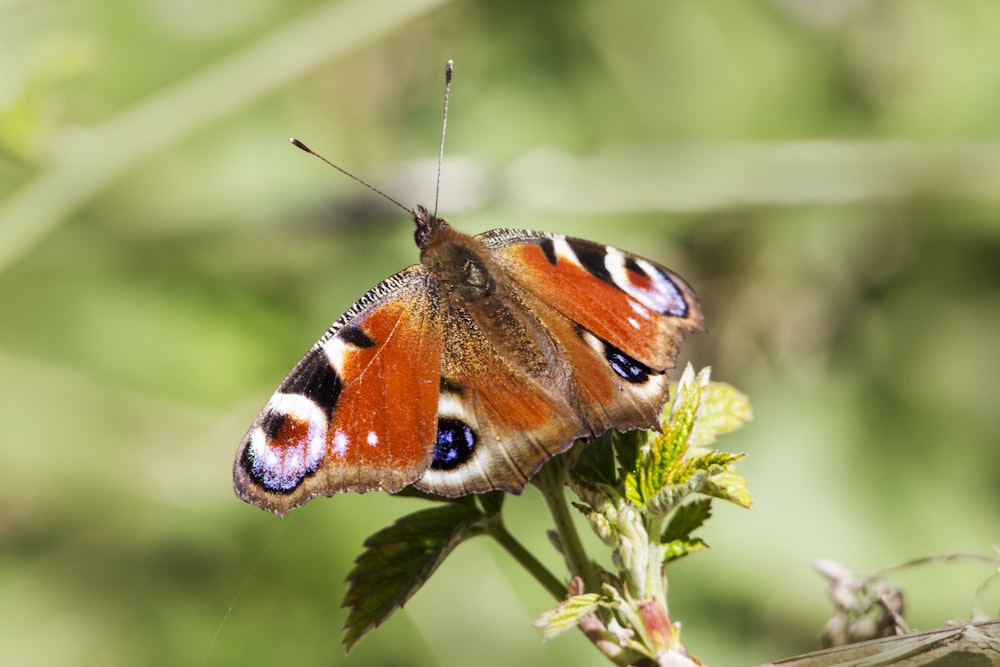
466 372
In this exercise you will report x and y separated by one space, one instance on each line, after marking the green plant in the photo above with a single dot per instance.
645 494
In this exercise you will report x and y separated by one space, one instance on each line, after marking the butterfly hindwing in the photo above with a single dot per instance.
358 412
499 419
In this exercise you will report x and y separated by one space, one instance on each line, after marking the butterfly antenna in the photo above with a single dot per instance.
298 144
448 69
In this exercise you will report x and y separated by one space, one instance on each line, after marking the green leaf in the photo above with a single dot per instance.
627 447
567 615
631 551
399 559
596 461
687 405
729 485
723 409
675 549
632 491
673 494
711 458
661 462
687 519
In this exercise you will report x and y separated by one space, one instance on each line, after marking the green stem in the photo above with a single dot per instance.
656 585
549 482
527 560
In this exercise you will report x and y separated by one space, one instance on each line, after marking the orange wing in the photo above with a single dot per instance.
358 412
636 305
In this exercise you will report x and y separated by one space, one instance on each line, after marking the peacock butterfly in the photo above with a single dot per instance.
466 372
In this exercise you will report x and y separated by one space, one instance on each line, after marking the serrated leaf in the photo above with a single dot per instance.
729 485
672 495
398 560
675 549
632 492
687 403
567 615
629 450
723 409
715 459
662 462
686 519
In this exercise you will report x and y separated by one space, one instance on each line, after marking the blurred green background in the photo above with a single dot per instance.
826 174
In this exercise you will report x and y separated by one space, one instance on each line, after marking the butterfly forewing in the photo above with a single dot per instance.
638 306
358 412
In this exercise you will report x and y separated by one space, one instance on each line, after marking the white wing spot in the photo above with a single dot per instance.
282 465
372 438
635 323
563 251
661 295
340 442
336 352
639 309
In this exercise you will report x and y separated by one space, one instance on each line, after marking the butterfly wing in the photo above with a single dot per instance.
629 313
358 412
577 341
497 423
636 305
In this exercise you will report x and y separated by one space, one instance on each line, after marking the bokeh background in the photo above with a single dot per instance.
826 174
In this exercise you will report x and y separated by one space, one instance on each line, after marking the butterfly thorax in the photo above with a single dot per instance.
459 262
479 296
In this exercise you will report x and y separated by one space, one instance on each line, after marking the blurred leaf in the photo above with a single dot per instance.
397 562
729 485
723 409
568 614
675 549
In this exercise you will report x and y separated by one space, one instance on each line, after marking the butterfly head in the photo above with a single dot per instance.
459 263
428 226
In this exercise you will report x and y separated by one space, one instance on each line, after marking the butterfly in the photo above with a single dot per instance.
465 373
